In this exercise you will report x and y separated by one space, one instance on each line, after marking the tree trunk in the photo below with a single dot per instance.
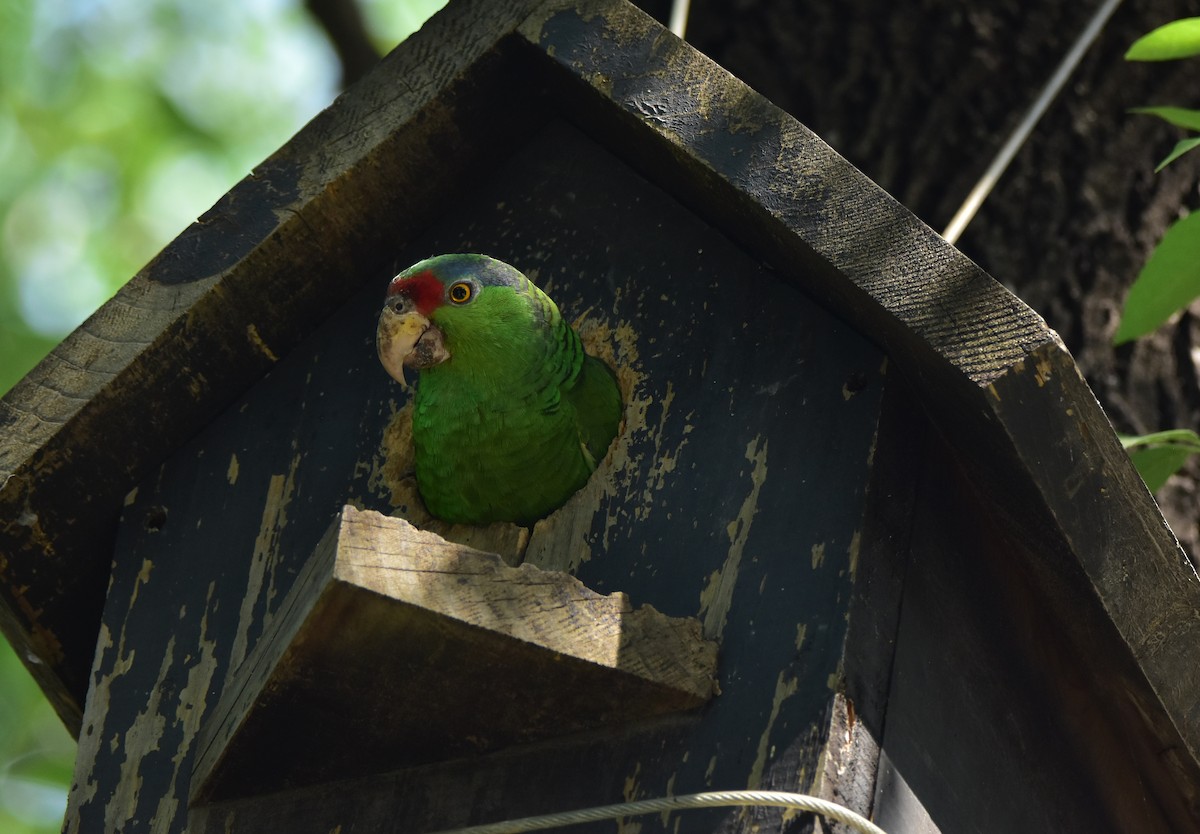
921 95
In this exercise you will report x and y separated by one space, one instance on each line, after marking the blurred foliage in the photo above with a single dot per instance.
36 753
120 122
1170 280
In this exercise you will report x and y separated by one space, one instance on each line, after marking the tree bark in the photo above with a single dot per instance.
920 96
343 23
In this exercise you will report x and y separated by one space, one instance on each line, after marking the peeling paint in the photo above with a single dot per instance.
231 474
256 341
784 689
666 815
143 577
818 555
84 786
197 386
140 739
630 793
391 469
147 729
560 541
1042 371
852 550
264 558
189 713
717 596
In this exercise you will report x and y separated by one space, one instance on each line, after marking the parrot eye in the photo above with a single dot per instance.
461 292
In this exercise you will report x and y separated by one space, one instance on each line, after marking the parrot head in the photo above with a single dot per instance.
450 306
511 415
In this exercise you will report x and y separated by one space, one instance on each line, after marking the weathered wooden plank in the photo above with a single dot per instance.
696 509
992 697
858 715
733 495
486 788
218 307
497 787
954 332
378 649
774 183
1100 536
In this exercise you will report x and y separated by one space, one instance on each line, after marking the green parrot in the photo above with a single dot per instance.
510 415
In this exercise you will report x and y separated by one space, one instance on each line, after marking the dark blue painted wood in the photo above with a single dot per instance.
750 465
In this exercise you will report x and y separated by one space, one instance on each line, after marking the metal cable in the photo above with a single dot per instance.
679 17
711 799
1015 140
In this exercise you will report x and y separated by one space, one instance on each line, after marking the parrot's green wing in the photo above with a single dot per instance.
597 403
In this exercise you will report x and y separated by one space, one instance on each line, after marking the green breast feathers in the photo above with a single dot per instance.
510 415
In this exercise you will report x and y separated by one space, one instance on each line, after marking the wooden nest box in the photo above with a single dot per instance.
861 490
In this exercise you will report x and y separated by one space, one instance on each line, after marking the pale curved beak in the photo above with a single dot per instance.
410 339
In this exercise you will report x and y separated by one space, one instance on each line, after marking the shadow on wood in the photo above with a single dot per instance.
396 647
976 582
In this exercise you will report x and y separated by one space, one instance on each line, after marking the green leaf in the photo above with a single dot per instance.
1177 39
1178 437
1178 116
1180 149
1158 463
1160 455
1168 282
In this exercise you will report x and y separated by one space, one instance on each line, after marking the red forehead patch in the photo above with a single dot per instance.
423 289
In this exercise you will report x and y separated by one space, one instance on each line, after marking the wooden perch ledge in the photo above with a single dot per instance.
397 647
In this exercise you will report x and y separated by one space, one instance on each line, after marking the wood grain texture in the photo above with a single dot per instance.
955 333
396 647
214 311
734 495
1006 684
770 179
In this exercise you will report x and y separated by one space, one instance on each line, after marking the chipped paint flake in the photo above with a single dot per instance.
391 470
263 561
139 740
1042 371
852 550
189 711
818 555
167 712
717 596
143 577
84 786
560 541
231 474
256 342
630 792
784 689
666 815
